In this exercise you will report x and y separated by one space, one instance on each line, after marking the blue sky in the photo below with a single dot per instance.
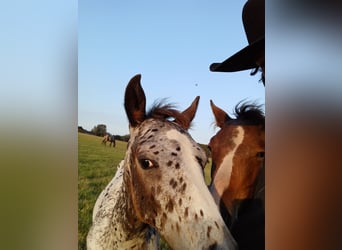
171 44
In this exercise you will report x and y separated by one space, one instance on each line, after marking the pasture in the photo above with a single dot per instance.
97 165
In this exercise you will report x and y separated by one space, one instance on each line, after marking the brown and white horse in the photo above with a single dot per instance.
109 138
237 185
159 185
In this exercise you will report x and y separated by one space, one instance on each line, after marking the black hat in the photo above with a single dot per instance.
253 17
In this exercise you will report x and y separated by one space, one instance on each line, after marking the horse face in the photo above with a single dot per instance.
168 187
164 175
237 156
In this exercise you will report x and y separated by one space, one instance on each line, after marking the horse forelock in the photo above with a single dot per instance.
167 112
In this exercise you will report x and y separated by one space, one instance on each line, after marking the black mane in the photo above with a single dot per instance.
249 113
165 111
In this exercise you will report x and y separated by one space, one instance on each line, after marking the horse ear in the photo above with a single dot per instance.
189 113
220 116
135 101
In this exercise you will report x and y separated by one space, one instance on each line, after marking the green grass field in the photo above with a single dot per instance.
96 167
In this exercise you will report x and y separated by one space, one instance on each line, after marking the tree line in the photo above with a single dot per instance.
101 130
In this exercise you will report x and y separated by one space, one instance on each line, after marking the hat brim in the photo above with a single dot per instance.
242 60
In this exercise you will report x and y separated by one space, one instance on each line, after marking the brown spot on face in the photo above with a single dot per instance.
169 163
208 232
181 179
186 213
154 212
183 187
199 160
217 225
196 217
156 152
177 165
177 227
201 212
154 130
178 148
163 220
169 206
171 182
174 185
147 131
180 219
153 146
158 189
174 154
180 202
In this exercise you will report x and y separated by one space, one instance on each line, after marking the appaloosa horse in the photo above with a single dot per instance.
237 185
160 185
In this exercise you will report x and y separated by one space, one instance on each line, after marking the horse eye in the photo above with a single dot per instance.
260 154
145 163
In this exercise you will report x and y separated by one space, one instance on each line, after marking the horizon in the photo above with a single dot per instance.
171 45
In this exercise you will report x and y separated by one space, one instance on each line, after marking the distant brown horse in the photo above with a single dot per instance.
109 138
238 156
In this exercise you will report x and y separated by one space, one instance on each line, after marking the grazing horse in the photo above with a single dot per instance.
110 138
237 172
105 139
160 185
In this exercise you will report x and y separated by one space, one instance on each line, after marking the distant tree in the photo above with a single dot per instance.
99 130
82 130
122 138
